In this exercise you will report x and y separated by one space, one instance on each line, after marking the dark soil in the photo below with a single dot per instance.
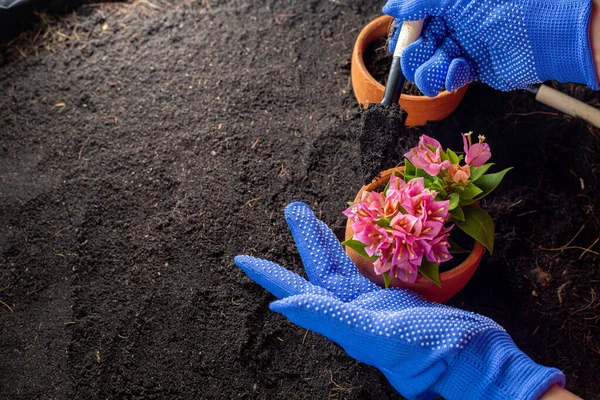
23 14
381 129
383 134
141 153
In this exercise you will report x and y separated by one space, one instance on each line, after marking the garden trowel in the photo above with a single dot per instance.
382 124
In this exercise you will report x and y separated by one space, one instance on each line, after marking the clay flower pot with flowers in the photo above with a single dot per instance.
400 227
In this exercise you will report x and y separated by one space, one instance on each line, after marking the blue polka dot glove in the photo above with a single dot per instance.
424 349
508 44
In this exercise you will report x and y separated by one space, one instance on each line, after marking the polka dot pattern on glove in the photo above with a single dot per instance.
508 44
412 341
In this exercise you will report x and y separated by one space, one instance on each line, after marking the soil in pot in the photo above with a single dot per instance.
378 60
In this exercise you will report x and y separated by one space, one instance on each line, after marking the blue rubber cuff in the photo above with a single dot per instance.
562 49
492 367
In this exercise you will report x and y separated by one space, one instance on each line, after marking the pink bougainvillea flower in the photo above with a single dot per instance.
430 229
396 190
357 211
477 154
426 158
375 237
383 263
415 187
381 205
415 230
459 174
413 196
403 224
437 250
401 194
427 140
403 267
436 211
410 275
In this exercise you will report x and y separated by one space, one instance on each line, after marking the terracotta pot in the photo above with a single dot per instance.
367 90
452 281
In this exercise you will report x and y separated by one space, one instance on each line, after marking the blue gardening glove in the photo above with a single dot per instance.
507 44
424 349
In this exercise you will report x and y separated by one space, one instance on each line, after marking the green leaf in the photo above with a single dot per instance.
477 172
457 214
359 247
431 271
384 222
479 225
409 168
410 171
435 185
453 157
455 248
454 199
470 191
444 156
438 183
387 279
438 186
487 183
351 203
465 202
422 174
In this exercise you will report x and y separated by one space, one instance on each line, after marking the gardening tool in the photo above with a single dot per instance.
565 103
383 124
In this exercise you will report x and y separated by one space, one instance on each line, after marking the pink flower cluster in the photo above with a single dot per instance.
428 157
401 226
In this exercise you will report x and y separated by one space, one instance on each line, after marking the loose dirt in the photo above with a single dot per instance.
152 143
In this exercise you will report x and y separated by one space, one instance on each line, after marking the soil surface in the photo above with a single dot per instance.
144 145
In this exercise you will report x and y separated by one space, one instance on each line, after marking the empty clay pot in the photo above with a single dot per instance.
452 281
367 90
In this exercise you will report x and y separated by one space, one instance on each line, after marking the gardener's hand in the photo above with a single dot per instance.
507 44
424 349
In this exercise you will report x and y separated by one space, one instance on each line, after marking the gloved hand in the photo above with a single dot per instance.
507 44
424 349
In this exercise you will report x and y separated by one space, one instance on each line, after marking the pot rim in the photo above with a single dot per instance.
473 257
361 45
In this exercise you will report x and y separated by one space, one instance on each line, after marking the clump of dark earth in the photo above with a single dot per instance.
381 128
139 155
